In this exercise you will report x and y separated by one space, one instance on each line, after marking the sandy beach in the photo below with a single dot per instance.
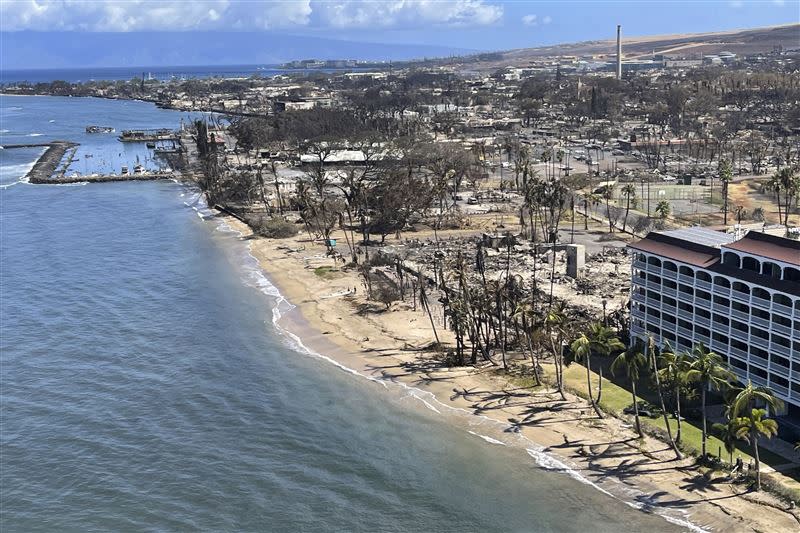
333 317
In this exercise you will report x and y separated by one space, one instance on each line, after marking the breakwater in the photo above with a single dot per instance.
150 176
46 165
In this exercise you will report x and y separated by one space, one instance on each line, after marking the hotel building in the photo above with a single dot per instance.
739 297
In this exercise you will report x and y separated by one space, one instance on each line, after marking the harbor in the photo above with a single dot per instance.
53 165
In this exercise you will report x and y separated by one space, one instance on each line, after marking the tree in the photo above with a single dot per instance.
663 209
725 174
708 371
752 421
629 192
728 433
786 181
554 322
604 342
653 361
673 370
582 351
423 300
608 195
632 361
588 198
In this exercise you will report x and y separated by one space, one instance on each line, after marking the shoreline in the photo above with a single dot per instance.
327 320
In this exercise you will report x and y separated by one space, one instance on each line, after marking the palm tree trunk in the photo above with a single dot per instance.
599 384
703 410
636 408
754 439
678 412
627 210
663 407
586 215
589 385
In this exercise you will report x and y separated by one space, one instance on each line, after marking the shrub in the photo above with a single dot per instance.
275 228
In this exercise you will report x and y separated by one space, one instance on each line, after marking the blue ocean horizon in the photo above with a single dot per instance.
161 73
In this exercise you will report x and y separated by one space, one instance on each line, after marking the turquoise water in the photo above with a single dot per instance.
144 386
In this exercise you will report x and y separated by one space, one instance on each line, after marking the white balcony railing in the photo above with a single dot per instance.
761 302
741 296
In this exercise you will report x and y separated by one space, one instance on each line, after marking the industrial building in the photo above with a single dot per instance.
738 296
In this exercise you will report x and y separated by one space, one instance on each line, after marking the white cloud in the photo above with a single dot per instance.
547 19
530 20
392 13
140 15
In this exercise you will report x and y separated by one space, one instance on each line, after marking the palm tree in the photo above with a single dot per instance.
582 351
728 433
632 361
554 322
708 370
663 209
725 172
608 195
673 369
423 300
588 198
629 192
603 342
651 352
753 421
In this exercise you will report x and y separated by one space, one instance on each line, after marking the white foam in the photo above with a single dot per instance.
4 131
488 439
20 170
34 134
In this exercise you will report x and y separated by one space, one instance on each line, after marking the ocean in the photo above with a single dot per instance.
145 385
80 75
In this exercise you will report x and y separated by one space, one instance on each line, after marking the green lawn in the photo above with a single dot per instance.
615 398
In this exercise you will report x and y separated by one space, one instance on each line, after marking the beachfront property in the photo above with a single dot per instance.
738 295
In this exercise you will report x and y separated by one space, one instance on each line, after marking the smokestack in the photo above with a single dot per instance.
619 52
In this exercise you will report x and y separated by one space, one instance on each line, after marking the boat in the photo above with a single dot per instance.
138 169
99 129
150 145
147 135
124 170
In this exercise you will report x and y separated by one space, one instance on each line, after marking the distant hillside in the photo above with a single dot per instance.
695 44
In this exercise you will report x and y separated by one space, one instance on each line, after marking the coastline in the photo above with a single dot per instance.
325 318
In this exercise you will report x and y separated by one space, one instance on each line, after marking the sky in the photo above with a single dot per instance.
457 24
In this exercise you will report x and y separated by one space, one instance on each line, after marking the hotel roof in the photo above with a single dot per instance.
768 246
677 248
704 236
